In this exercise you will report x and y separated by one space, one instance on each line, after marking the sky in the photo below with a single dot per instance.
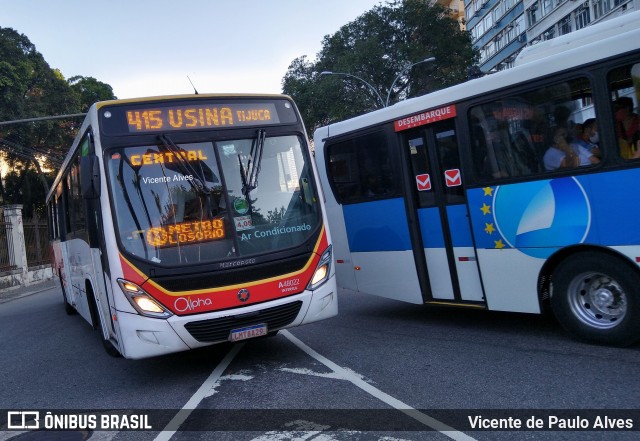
148 48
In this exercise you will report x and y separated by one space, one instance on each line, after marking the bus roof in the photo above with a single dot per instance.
100 104
616 39
582 37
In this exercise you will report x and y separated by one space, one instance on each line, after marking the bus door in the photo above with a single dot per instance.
97 269
450 268
373 249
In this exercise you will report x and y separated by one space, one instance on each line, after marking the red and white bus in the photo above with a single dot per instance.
179 222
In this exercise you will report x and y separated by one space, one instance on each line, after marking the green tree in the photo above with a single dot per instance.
29 88
89 90
376 47
23 185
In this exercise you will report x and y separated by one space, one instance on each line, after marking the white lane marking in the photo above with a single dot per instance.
304 371
377 393
298 430
96 436
7 435
240 376
302 430
102 436
200 394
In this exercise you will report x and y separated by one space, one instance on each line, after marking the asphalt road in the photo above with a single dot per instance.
341 379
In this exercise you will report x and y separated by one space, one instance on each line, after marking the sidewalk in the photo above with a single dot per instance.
6 295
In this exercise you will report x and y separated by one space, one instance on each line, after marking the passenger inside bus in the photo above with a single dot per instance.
505 154
588 137
564 154
627 127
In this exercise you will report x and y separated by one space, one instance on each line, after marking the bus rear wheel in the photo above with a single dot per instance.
595 297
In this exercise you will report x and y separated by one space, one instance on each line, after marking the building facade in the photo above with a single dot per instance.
501 28
457 10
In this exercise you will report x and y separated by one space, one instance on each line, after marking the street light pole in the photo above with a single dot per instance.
426 60
373 89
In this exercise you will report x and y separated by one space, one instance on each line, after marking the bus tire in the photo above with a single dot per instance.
595 297
109 347
97 325
70 310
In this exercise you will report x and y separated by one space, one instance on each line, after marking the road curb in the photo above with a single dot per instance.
19 293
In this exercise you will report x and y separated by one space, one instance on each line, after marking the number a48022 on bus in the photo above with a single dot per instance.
179 222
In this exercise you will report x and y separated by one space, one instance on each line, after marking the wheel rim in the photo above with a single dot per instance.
597 300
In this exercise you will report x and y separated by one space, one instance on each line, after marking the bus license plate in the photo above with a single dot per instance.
248 332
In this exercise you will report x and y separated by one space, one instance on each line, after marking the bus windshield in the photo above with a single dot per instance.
210 201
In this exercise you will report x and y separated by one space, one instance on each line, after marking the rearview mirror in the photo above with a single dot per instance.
90 177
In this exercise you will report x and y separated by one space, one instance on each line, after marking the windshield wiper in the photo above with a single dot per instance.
250 175
197 183
243 177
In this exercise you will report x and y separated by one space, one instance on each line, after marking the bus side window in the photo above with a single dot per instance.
447 147
76 202
51 219
491 139
64 215
343 170
511 135
362 169
484 149
624 85
479 147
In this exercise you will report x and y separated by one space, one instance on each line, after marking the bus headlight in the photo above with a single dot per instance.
323 269
143 302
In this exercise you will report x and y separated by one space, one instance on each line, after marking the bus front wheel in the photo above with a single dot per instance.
595 297
70 310
97 324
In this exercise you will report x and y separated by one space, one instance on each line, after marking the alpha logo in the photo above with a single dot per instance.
536 217
183 304
243 295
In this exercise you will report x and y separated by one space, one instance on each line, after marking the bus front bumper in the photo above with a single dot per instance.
149 337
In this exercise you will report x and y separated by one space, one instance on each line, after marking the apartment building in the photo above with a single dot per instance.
501 28
457 10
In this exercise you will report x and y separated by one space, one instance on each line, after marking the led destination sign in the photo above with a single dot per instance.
185 233
199 117
155 117
166 157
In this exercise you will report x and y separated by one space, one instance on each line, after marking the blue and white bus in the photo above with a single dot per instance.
501 193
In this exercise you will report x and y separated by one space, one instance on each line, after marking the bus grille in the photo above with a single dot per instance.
207 331
233 277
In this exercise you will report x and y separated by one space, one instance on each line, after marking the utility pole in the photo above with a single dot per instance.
42 118
28 153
